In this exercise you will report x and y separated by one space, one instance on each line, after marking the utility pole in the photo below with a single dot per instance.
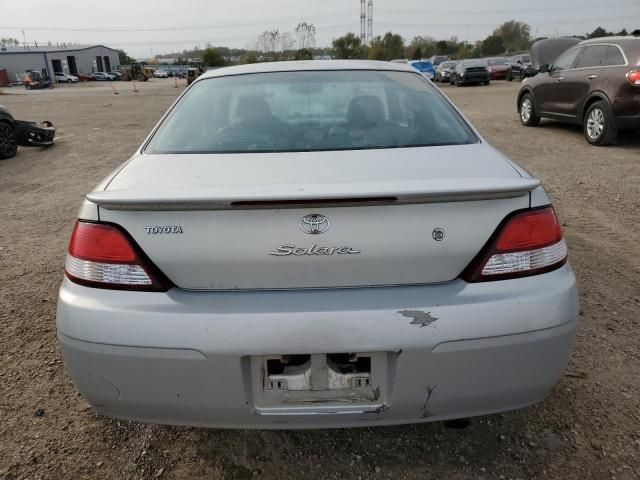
363 20
370 22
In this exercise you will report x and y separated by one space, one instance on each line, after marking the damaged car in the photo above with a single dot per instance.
311 245
26 134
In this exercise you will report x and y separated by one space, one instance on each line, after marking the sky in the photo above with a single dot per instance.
147 27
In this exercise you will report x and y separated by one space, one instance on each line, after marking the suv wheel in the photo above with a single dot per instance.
528 115
8 141
509 76
598 124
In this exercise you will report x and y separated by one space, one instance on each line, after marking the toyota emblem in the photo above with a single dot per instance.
314 224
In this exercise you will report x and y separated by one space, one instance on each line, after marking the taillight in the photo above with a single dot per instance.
101 255
633 77
527 243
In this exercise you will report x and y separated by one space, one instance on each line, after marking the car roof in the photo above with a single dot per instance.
630 40
308 65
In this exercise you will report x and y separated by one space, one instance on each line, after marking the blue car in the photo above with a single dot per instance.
425 67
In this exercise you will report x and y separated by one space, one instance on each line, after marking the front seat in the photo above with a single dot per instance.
365 112
257 127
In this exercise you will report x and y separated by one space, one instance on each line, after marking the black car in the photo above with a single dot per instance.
518 67
595 83
470 71
27 134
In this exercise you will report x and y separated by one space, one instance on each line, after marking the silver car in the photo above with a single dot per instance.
315 244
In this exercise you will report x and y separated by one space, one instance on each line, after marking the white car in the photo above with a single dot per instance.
103 77
310 245
65 78
160 74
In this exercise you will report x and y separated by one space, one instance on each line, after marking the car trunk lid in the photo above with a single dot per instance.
393 216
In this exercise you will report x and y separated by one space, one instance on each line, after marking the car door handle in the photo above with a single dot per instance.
591 77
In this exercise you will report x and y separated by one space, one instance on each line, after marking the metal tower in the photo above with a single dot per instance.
370 22
363 20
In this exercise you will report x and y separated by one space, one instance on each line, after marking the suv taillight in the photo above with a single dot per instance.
527 243
102 255
633 77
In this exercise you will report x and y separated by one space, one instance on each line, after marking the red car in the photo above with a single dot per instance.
498 67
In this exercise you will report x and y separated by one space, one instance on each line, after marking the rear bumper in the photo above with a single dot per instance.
185 358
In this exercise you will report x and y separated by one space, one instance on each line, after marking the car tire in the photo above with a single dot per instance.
487 82
528 116
509 77
599 125
8 141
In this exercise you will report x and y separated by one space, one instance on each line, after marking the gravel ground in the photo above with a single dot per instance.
588 428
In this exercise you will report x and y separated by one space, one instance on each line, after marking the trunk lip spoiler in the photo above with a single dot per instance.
391 193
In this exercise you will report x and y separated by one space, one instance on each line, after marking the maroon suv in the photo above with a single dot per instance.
595 83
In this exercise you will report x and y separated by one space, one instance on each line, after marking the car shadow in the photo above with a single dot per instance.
627 139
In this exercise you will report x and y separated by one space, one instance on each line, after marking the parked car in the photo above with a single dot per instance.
425 67
65 78
103 77
470 72
19 132
116 75
86 77
518 67
498 67
311 245
438 59
443 71
595 84
160 74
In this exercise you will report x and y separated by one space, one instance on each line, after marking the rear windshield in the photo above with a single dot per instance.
421 66
474 63
526 58
497 61
310 111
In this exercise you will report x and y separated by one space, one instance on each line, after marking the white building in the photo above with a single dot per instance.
69 59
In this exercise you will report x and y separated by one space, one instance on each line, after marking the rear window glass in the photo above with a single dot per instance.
497 61
526 59
591 56
474 63
310 111
420 66
613 57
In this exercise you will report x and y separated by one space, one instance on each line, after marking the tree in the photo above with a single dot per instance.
376 51
515 35
417 54
123 58
347 46
599 32
464 51
427 46
393 45
492 45
9 42
211 58
306 36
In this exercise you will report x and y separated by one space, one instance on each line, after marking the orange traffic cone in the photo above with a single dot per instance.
135 87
